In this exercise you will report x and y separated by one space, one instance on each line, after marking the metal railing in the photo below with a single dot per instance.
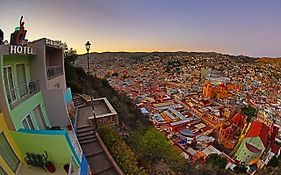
75 143
19 94
54 71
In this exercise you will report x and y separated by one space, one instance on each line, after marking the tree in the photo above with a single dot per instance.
217 161
153 146
250 112
71 55
124 156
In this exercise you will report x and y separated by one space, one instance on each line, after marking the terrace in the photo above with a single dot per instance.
59 145
105 113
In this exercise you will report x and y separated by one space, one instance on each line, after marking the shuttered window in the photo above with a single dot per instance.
8 154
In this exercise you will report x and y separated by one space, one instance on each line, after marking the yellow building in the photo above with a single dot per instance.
207 89
218 91
10 155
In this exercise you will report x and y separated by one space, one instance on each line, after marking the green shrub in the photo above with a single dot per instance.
122 154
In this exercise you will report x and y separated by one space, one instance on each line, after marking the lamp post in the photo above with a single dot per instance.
88 46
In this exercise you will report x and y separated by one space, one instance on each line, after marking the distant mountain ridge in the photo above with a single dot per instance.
136 55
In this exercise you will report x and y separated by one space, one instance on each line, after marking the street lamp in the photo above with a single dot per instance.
88 46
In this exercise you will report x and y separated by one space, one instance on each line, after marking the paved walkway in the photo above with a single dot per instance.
95 153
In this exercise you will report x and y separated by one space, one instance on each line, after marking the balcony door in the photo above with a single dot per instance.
8 154
9 84
40 117
21 80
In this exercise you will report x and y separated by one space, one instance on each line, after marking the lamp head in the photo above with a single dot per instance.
88 45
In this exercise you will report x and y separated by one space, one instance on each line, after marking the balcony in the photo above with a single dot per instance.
54 71
58 145
21 93
71 137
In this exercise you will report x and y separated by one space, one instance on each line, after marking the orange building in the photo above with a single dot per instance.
218 91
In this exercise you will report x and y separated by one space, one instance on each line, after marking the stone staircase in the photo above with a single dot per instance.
78 101
93 151
86 134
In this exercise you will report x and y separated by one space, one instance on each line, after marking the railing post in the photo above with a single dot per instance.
70 167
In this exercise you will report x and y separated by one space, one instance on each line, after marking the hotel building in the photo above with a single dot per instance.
34 118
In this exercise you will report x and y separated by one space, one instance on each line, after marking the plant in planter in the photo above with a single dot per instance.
66 168
50 167
69 127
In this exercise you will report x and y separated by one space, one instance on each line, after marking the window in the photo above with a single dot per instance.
21 80
27 122
8 154
39 117
9 84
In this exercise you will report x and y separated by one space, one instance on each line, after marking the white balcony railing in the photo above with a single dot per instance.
75 143
24 91
54 71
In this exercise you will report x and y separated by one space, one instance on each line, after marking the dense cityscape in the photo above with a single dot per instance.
145 87
206 103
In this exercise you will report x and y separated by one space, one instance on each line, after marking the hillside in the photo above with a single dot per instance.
276 60
139 55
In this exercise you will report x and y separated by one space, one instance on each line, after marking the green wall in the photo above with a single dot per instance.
26 107
13 60
245 155
55 143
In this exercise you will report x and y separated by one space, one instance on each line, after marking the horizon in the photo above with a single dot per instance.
81 54
250 28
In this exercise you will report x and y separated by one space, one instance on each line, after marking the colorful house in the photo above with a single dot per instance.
254 144
34 101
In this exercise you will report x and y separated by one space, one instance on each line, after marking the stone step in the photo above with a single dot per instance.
87 137
78 103
87 141
81 106
84 129
83 134
84 126
76 98
93 154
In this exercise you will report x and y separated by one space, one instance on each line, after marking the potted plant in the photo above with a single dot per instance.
69 127
66 168
50 167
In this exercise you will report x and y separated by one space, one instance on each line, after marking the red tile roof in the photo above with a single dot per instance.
238 119
274 148
259 129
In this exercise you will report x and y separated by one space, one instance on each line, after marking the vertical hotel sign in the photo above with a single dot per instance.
16 49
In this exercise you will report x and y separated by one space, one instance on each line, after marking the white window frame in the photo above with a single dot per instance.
29 125
25 67
15 94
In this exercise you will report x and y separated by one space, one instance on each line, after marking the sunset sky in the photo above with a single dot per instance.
249 27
